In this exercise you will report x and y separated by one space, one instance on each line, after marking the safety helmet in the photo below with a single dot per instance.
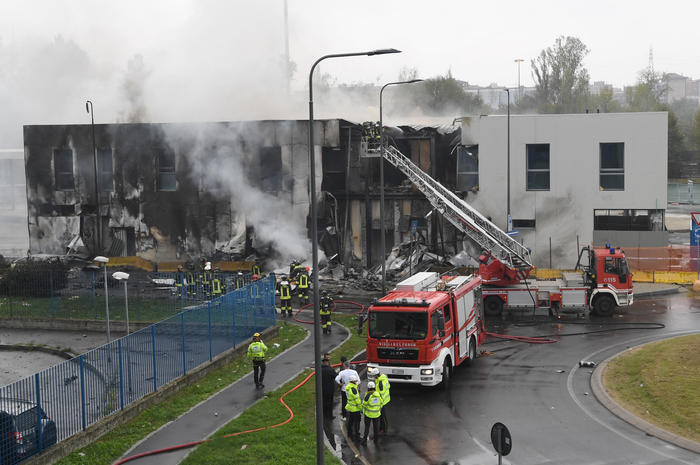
308 269
240 273
354 379
255 277
371 385
372 371
324 292
256 335
207 266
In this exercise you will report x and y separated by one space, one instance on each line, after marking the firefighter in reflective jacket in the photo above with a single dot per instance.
372 408
256 352
383 387
303 288
326 306
285 296
216 286
353 407
179 280
240 280
256 269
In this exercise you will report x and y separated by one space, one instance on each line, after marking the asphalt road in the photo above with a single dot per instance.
541 394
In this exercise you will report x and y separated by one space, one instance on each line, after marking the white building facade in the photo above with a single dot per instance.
575 180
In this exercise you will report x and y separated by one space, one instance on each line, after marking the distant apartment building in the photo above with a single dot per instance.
679 87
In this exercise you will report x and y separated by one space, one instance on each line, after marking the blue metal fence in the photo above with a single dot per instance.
62 293
56 403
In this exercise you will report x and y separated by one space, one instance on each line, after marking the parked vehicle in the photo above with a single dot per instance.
20 432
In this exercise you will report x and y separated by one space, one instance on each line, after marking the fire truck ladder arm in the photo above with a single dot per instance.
465 218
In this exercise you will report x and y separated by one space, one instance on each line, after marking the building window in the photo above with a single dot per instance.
612 166
166 171
63 169
628 220
105 169
537 167
271 169
467 168
523 224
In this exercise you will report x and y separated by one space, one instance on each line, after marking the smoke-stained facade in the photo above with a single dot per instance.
172 192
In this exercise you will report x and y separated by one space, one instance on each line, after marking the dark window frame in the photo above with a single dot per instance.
472 167
609 172
524 223
271 177
106 177
64 178
166 180
532 171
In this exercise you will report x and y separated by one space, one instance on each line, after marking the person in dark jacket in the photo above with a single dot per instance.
328 375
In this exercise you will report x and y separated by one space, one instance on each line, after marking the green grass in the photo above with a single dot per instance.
112 445
291 443
87 307
660 383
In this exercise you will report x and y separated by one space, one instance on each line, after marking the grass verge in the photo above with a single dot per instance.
112 445
291 443
660 383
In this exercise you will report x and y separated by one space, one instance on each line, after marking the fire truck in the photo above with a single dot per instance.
424 327
601 281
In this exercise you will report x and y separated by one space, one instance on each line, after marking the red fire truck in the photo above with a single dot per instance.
424 327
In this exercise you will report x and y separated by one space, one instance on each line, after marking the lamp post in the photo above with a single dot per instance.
381 176
121 276
104 261
91 111
520 92
314 246
509 219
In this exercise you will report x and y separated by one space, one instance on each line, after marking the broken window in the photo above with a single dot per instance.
106 169
467 168
63 169
628 220
166 171
612 166
271 169
537 167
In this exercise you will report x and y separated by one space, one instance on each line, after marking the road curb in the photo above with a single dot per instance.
643 425
658 293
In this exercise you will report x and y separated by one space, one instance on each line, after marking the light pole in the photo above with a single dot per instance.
104 261
314 246
98 225
509 217
121 276
381 176
520 92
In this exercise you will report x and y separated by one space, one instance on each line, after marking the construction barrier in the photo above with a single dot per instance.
43 409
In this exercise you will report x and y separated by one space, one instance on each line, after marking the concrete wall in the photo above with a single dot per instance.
565 211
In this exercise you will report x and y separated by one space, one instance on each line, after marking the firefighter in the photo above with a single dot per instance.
383 387
285 296
256 352
372 408
326 306
206 280
303 288
256 269
190 285
240 280
179 281
216 286
353 407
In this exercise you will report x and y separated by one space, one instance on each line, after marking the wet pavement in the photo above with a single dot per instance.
540 393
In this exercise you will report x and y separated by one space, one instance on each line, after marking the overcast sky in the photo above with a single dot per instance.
208 60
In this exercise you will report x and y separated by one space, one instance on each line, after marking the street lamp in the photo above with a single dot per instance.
520 91
104 261
509 217
381 176
314 246
91 111
121 276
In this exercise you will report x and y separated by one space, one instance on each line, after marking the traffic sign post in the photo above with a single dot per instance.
501 440
695 241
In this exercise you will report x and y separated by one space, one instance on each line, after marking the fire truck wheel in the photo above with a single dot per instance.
446 373
604 305
493 305
472 351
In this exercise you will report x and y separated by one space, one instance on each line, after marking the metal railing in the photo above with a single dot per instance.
54 404
684 193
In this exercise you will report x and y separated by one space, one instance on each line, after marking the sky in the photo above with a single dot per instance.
223 60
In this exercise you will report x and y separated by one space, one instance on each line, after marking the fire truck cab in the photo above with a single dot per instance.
424 327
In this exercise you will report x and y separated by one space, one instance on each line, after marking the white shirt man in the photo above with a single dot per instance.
343 378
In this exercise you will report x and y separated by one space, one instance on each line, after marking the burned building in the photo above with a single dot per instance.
170 192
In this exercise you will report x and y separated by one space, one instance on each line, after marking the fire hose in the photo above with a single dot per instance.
255 430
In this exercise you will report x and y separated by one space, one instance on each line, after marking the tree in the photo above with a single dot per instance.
695 134
444 94
561 81
604 101
648 93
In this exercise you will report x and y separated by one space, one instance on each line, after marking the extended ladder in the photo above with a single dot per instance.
465 218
